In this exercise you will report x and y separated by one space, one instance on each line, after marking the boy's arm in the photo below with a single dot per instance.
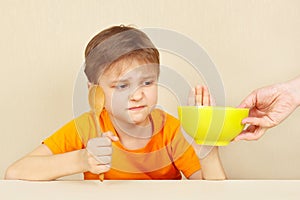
211 166
196 176
41 164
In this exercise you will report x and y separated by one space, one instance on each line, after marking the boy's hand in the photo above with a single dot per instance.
98 153
199 96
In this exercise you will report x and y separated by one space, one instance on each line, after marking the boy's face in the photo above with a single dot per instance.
131 94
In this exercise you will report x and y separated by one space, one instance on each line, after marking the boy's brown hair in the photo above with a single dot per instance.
112 45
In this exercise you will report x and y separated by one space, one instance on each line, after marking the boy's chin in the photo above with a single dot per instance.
139 120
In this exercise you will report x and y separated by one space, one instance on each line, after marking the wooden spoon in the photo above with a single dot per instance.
96 101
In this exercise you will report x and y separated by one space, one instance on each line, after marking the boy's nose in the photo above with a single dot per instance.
137 94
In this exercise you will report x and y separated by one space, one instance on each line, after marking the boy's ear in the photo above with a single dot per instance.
89 84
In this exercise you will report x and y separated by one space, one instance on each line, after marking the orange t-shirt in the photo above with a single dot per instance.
165 155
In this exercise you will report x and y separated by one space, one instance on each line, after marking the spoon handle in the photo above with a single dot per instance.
101 177
96 101
99 133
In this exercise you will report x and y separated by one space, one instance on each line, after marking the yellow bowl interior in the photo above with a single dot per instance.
212 125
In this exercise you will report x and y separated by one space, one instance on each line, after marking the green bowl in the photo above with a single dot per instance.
212 125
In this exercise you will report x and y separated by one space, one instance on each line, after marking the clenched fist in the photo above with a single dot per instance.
98 153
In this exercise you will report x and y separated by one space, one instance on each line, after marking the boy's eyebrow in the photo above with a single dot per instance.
120 80
129 78
149 76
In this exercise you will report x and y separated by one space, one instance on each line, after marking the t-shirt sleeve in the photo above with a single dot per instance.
64 140
184 156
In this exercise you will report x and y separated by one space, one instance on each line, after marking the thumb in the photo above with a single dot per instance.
110 135
249 101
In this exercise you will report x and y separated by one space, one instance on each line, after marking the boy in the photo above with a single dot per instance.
138 141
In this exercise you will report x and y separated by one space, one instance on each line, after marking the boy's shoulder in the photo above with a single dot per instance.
162 119
85 127
158 113
83 120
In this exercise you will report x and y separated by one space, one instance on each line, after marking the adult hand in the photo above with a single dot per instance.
269 106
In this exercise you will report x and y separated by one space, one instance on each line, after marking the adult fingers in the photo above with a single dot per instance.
251 134
256 121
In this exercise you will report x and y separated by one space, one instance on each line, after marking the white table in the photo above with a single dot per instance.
154 190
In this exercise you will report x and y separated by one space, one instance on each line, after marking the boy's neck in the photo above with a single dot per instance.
133 136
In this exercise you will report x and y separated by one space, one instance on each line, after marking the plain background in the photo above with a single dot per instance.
253 43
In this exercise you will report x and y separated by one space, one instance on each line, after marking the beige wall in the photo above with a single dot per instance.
253 43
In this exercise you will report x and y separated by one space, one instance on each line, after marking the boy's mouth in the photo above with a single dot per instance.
136 108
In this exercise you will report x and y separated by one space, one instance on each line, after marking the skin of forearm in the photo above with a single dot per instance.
294 86
49 167
196 176
212 168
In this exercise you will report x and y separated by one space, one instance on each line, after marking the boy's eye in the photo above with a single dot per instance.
121 86
146 83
